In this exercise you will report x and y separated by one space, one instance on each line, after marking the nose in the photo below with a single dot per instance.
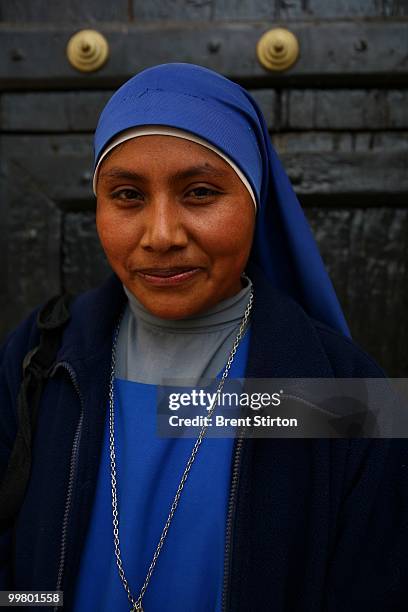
163 226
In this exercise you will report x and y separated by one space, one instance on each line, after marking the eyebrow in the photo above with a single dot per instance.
123 173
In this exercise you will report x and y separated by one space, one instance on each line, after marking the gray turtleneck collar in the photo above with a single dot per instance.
153 350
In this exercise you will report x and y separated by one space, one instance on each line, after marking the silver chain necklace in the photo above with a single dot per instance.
137 603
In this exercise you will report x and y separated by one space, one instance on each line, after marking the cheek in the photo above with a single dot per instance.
230 239
235 234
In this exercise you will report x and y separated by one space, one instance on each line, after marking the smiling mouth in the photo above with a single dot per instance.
167 276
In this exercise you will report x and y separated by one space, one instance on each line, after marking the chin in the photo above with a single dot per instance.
173 311
181 304
172 306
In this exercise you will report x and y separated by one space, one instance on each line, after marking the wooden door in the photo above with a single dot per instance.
338 117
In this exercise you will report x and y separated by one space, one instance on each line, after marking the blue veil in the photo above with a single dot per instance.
220 111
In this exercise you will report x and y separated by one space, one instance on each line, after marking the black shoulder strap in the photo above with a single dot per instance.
36 367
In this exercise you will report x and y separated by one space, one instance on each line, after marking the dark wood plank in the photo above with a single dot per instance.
330 53
172 9
68 111
373 177
298 9
340 9
84 263
246 9
394 8
365 249
380 141
289 142
309 9
62 165
365 252
325 174
4 237
267 100
299 110
77 111
332 9
82 12
346 142
30 269
344 109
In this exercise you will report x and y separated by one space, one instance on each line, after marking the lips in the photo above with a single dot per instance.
167 276
164 272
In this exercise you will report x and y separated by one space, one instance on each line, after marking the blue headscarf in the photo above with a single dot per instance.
203 102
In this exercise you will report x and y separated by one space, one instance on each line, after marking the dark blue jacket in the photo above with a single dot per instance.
314 524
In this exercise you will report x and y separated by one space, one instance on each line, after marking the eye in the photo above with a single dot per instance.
203 193
127 194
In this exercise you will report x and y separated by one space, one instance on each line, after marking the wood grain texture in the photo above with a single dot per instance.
330 52
78 111
31 251
324 9
61 165
346 142
324 174
81 12
52 241
84 263
318 110
395 8
301 9
68 111
369 175
344 109
246 9
172 10
338 118
366 254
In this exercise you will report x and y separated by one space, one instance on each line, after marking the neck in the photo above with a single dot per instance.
223 313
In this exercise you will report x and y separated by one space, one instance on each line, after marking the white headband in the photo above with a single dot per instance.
169 131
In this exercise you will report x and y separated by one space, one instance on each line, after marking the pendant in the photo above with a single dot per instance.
137 608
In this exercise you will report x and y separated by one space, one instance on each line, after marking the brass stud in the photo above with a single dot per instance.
87 50
277 49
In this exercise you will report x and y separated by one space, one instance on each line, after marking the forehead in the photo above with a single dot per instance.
166 151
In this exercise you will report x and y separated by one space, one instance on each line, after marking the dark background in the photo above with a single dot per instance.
338 118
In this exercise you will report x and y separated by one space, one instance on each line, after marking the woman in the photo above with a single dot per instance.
216 275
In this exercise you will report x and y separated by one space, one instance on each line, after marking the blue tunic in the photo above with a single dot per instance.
189 572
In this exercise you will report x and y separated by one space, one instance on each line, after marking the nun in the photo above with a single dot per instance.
216 275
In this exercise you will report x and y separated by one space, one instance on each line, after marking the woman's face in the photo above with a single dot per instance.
176 224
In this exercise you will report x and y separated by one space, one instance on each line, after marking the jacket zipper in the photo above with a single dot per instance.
72 473
230 517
